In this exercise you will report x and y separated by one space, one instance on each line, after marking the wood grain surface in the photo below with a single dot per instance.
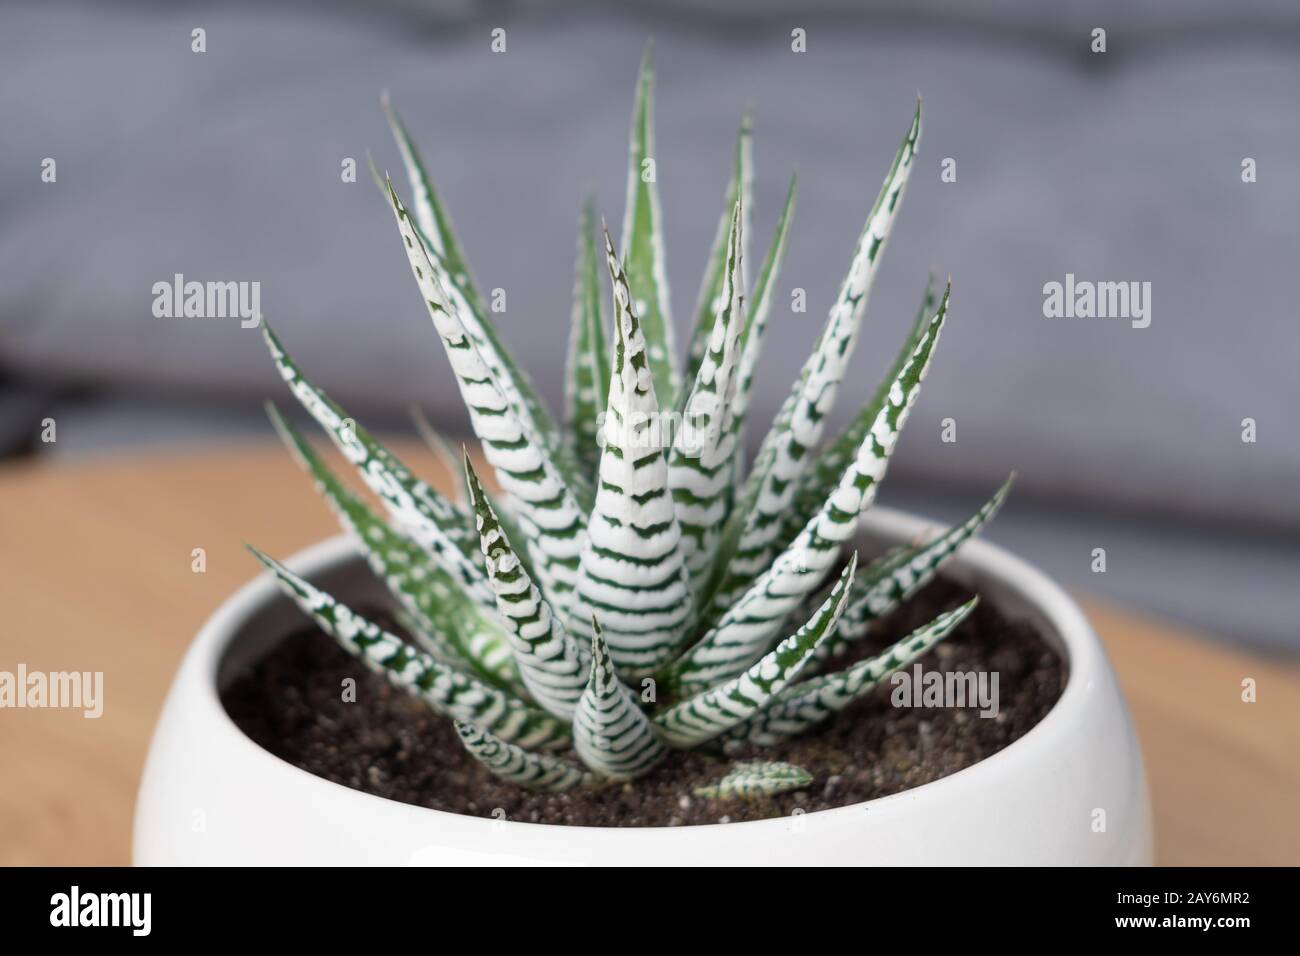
95 575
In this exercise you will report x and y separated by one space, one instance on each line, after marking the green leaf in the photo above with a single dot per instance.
740 189
516 765
784 455
433 522
445 689
632 572
894 578
700 463
542 499
643 246
756 779
749 622
713 712
808 703
548 660
587 382
610 732
448 622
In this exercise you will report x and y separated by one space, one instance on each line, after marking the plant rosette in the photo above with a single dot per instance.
633 588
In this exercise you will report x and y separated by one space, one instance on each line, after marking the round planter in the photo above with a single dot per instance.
1070 791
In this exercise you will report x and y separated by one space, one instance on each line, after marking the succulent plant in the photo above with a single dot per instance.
634 589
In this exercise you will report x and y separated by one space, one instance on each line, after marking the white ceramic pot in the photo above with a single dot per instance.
212 796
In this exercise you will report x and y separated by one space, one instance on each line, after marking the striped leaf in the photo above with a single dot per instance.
610 732
798 428
713 712
445 689
587 383
817 482
894 578
808 703
751 339
643 245
447 622
450 460
700 464
751 347
740 189
516 765
747 626
632 572
549 662
434 228
432 218
433 522
543 501
763 778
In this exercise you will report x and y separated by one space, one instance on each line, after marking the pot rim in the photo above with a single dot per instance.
1072 635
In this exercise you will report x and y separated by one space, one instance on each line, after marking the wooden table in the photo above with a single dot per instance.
95 575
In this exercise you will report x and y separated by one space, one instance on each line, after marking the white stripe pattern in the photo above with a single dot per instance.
443 688
548 659
750 623
632 574
803 418
543 502
610 732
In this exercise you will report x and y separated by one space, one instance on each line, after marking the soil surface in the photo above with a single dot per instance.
391 745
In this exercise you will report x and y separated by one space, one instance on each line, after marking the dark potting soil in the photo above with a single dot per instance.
389 744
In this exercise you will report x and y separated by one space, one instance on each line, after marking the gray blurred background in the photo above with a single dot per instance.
1123 166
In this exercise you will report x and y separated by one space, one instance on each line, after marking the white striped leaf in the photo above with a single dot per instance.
806 704
712 712
632 572
434 227
516 765
643 243
542 500
433 522
798 428
762 778
700 463
451 462
751 348
751 339
548 659
817 482
434 222
895 577
748 625
587 382
447 622
740 189
445 689
610 732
